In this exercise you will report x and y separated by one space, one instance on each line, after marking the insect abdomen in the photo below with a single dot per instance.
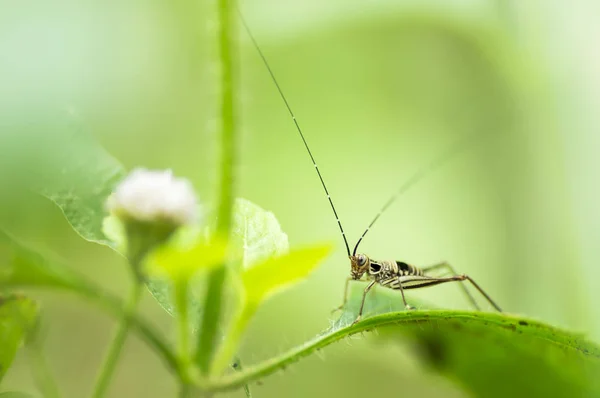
408 269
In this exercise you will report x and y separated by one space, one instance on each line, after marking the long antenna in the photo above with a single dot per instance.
436 162
289 108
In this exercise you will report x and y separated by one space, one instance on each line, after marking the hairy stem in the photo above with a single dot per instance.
517 327
213 303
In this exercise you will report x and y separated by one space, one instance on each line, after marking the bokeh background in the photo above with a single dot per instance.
381 88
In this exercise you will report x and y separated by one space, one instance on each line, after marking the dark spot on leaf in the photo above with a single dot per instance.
523 323
235 365
259 383
456 326
434 350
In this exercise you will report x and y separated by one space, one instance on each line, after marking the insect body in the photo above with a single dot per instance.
391 274
401 276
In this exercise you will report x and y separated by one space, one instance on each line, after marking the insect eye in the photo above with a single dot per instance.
361 260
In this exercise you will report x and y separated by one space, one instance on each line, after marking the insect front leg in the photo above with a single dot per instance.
345 296
362 303
406 305
453 272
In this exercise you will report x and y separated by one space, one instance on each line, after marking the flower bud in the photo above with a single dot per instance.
152 205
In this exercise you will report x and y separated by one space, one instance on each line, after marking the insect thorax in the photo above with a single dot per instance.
382 269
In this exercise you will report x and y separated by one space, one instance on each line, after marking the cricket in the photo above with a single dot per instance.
391 274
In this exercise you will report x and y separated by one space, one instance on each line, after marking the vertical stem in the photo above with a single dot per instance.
41 371
183 341
227 114
231 341
213 303
114 351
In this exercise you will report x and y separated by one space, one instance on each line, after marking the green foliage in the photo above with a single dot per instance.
265 279
259 283
14 394
17 317
56 158
491 354
255 234
22 267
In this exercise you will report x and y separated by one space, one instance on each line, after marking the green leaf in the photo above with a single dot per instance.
21 267
265 279
179 261
255 234
17 316
14 394
258 284
491 354
55 158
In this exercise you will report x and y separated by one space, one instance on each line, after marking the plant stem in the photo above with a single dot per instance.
231 342
114 351
213 303
183 341
237 366
114 306
184 391
41 371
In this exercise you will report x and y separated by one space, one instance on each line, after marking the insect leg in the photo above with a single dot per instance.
362 303
417 282
454 273
345 296
406 305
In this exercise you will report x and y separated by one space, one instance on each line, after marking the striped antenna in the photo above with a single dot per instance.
289 108
436 162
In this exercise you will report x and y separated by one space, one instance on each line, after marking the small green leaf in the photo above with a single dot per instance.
51 155
259 283
179 261
17 316
275 274
255 234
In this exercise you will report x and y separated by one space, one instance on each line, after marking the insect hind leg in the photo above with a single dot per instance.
450 268
462 278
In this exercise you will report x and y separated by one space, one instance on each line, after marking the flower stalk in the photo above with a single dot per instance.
209 329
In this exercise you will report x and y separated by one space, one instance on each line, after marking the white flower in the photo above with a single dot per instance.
154 196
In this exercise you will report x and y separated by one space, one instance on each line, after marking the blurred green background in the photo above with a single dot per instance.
380 89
